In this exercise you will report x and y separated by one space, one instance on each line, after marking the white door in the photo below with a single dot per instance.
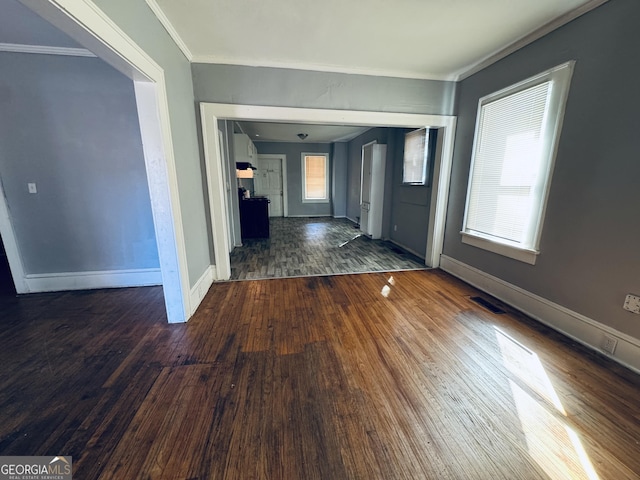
268 183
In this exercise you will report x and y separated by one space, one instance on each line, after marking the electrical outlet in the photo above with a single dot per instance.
609 344
395 228
632 303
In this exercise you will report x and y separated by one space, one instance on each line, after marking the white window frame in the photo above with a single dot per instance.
528 251
426 155
325 199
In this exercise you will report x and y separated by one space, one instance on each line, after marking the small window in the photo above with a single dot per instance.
315 177
517 132
416 157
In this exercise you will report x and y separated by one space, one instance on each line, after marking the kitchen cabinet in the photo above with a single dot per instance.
244 149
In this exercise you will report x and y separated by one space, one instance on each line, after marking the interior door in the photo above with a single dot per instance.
270 184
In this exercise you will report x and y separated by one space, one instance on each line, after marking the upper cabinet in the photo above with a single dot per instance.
244 149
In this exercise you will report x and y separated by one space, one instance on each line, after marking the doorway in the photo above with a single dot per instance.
270 182
6 282
118 50
211 112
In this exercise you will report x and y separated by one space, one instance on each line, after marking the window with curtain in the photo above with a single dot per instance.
315 177
517 131
416 155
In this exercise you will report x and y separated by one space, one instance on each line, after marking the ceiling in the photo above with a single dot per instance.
287 132
428 39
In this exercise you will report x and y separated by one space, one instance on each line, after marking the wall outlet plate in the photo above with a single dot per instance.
609 344
632 303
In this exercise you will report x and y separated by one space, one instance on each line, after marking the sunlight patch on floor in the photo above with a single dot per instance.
554 446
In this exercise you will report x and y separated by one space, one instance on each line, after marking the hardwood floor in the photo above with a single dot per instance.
371 376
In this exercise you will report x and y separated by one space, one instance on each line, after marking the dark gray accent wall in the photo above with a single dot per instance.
137 20
410 203
300 88
70 125
293 151
589 255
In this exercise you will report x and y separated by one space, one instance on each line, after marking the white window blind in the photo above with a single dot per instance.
315 177
517 130
508 166
415 157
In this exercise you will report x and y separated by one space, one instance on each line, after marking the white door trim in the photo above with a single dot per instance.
217 195
283 158
93 29
211 112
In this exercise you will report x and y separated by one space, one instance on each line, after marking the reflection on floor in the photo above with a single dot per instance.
316 246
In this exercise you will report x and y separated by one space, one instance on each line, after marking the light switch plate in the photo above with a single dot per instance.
32 188
632 303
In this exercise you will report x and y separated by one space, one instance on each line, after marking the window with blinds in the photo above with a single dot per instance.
315 177
517 130
416 155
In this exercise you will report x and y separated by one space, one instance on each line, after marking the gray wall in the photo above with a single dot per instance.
589 250
339 178
410 203
70 125
137 20
294 151
299 88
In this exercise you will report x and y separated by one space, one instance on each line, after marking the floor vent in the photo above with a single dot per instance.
488 305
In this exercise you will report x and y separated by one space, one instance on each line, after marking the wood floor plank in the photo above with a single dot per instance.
375 376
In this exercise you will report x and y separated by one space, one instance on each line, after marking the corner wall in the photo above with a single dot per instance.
589 255
70 126
137 20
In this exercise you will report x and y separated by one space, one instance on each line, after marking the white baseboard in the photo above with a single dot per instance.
310 216
576 326
56 282
201 287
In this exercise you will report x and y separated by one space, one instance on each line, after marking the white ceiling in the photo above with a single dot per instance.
287 132
430 39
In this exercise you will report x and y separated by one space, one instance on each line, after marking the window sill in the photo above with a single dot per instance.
521 254
305 200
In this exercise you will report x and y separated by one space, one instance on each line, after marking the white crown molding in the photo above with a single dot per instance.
527 39
168 26
45 50
214 59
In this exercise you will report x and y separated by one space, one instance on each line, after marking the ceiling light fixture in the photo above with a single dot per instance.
302 136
